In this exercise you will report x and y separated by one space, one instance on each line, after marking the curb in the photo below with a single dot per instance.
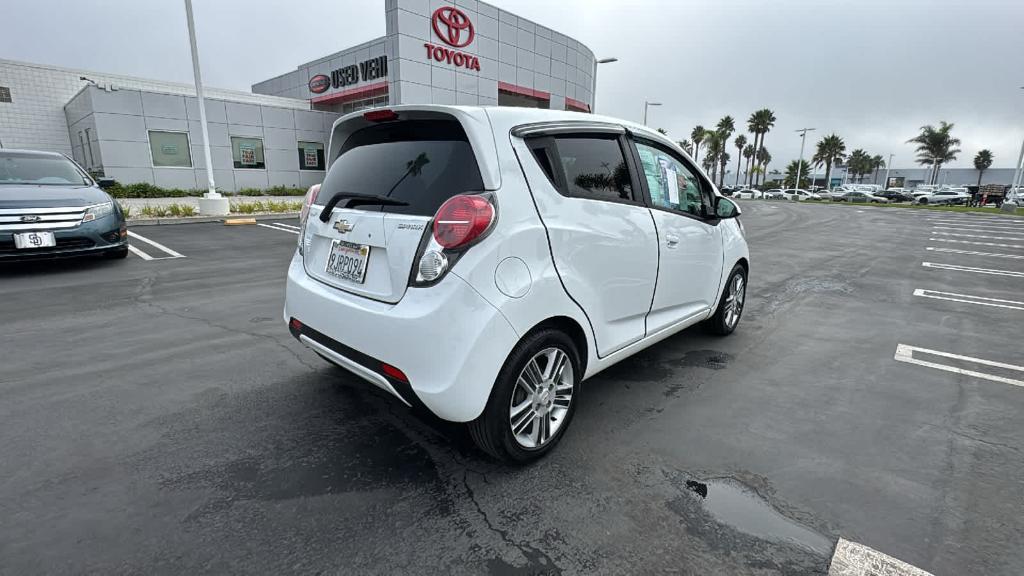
208 219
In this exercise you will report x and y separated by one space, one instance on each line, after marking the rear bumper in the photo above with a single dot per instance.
448 341
98 236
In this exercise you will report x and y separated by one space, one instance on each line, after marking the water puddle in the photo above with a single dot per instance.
734 505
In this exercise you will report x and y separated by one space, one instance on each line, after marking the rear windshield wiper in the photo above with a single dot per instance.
357 200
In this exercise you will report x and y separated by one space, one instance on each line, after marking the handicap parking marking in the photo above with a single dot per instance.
141 254
974 253
853 559
281 227
905 353
997 245
972 269
969 299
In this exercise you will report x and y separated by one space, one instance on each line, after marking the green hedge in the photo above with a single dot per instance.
146 190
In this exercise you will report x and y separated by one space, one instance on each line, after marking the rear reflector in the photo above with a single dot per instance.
462 219
380 116
393 372
295 324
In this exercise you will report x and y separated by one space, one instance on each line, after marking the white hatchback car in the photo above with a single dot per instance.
482 262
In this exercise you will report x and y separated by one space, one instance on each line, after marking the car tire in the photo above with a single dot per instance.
116 254
731 303
505 433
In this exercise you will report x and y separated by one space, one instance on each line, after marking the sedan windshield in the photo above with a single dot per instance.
37 169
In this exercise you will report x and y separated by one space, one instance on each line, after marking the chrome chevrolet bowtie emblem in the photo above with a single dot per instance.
343 226
31 218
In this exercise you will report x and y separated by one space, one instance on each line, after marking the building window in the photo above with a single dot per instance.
364 104
88 147
311 156
170 149
247 152
5 94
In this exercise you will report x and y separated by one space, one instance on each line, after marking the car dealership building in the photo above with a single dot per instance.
139 130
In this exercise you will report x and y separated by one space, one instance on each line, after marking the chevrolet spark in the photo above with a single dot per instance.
481 263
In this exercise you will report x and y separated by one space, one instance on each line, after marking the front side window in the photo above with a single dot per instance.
672 184
247 152
594 167
311 156
170 149
39 169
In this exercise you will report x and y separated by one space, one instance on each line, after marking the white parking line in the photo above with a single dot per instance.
905 353
280 229
283 225
976 228
139 253
973 269
973 253
157 245
978 243
958 235
968 299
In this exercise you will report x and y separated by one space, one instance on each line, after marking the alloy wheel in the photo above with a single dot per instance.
734 300
541 398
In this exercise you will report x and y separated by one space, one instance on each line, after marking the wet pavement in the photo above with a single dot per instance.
157 418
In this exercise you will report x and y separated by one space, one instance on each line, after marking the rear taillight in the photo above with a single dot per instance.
461 220
308 202
459 223
380 115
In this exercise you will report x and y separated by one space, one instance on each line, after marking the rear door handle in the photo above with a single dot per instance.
671 240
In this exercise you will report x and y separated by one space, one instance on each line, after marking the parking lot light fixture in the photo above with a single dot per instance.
888 166
799 163
593 97
647 105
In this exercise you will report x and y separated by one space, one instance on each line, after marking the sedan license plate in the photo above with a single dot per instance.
34 240
348 261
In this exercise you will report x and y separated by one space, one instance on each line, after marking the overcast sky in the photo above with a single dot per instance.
872 71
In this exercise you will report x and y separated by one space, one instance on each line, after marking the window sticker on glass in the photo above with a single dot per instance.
672 179
248 154
170 149
310 157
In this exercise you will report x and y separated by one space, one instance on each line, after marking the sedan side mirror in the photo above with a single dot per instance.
726 208
106 183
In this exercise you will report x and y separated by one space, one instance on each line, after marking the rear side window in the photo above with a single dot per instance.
421 162
593 167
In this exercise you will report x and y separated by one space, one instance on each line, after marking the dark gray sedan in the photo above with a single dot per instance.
50 207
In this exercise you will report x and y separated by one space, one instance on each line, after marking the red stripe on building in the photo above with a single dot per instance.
571 104
522 91
368 91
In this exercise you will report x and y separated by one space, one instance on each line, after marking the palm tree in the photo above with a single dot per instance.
982 162
859 164
830 150
739 143
759 124
791 169
748 155
662 131
763 160
725 128
877 162
697 136
714 146
936 146
687 146
723 161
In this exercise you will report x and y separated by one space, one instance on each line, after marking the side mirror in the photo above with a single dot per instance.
106 183
726 208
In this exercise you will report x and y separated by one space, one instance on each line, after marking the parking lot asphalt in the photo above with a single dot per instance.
157 418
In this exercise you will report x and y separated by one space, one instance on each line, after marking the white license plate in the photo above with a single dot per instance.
348 261
34 240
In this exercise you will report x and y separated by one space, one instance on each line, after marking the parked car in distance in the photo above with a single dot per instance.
748 194
896 195
485 290
774 194
948 196
800 194
861 197
51 207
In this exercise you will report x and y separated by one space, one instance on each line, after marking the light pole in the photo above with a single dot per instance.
212 203
593 97
646 106
1015 185
799 163
888 165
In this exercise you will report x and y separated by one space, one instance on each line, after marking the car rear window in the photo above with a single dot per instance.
421 162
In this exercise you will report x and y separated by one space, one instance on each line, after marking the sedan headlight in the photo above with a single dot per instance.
98 211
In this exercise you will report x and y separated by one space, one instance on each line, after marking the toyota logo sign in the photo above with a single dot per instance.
450 23
319 84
